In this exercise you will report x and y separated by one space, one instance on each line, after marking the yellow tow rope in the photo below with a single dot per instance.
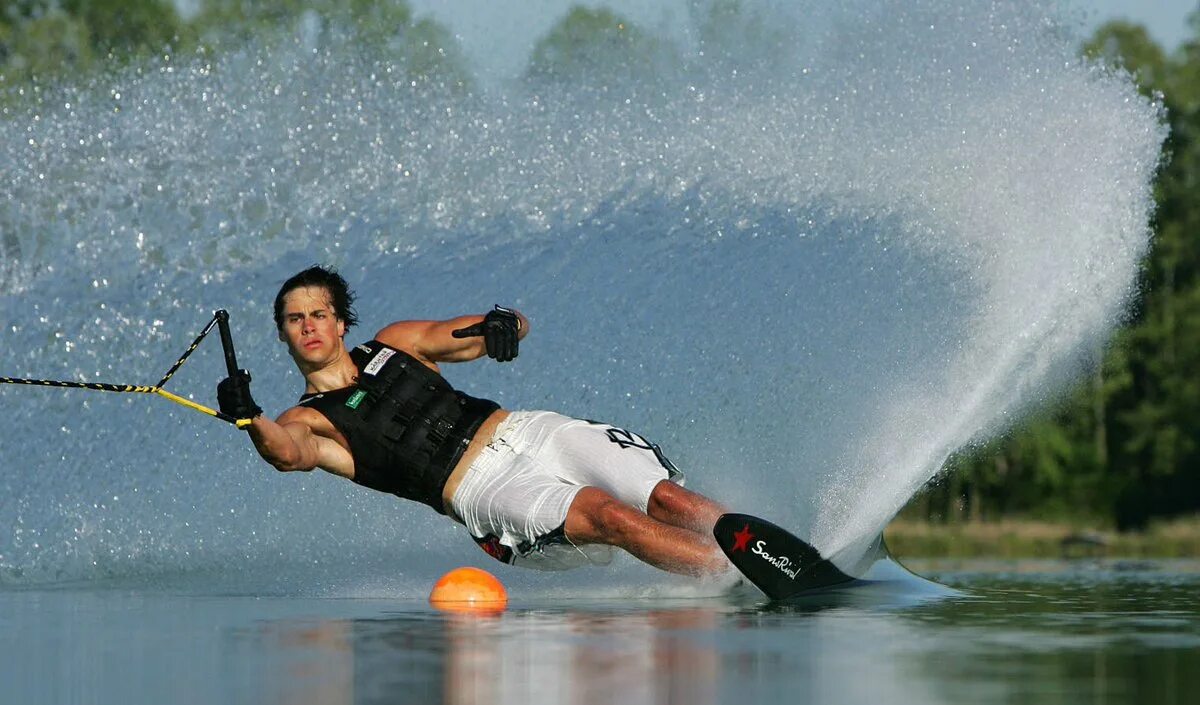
220 318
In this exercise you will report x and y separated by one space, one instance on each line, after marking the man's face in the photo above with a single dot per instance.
311 329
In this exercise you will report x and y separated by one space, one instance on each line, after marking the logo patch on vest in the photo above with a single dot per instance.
356 399
377 362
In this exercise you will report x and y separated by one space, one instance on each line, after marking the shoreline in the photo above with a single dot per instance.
1028 538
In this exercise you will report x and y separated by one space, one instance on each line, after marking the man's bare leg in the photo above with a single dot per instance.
676 505
597 517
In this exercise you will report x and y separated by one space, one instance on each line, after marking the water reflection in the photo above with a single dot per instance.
588 656
581 658
1110 638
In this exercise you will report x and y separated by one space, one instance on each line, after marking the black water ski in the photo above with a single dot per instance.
777 562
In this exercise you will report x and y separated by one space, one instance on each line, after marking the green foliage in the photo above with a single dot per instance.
1123 448
739 34
56 39
598 46
1130 46
379 30
125 25
42 43
67 38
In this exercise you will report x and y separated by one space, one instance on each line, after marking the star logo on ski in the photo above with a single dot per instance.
741 539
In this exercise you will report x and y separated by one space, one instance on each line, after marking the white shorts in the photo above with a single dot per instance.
515 496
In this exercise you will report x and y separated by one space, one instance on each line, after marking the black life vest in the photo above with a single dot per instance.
406 426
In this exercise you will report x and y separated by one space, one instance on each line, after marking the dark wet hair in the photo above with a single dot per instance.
331 281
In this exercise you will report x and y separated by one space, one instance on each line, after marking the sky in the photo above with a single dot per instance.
498 34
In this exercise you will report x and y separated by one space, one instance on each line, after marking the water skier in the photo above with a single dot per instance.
532 487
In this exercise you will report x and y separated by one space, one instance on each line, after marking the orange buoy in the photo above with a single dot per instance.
469 590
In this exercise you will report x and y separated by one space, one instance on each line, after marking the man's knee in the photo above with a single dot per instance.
680 506
670 497
597 517
666 497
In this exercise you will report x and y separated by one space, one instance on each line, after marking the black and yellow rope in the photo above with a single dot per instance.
191 348
144 389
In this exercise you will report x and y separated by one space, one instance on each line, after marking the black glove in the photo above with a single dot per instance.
499 330
233 396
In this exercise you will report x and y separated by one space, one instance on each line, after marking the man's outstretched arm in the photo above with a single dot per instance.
460 339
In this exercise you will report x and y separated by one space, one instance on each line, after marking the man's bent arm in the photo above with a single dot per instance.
286 445
434 340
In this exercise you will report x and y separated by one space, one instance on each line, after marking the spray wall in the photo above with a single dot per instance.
810 279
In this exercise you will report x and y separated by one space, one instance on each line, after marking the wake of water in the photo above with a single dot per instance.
810 283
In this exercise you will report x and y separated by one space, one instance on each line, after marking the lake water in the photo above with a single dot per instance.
992 632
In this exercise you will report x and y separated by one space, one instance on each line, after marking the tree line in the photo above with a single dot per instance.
1121 450
54 40
48 40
